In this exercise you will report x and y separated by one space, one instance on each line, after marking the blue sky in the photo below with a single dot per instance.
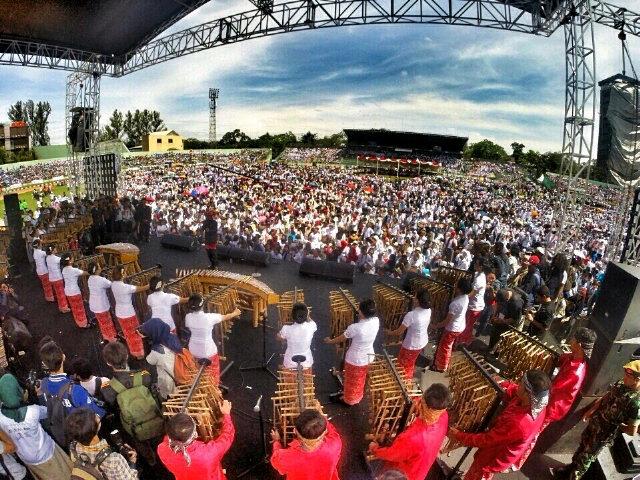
455 80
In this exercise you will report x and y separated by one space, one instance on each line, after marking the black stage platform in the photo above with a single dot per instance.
244 348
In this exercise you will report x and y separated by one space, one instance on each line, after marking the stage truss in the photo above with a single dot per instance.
534 17
83 91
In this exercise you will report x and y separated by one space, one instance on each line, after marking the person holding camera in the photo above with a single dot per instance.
87 449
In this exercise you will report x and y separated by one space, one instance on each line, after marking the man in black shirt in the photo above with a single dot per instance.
540 322
210 227
508 313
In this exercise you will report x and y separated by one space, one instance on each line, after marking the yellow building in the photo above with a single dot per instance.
162 141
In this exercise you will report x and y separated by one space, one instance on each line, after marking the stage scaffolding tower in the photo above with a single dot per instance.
213 97
83 92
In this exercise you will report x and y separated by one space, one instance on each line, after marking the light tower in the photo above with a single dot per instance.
213 96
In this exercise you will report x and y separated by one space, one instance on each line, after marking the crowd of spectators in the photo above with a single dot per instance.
311 155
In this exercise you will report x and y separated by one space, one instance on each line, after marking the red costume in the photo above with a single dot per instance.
416 448
296 463
46 286
129 327
466 337
503 445
355 378
58 288
205 457
564 391
107 328
445 348
407 360
77 309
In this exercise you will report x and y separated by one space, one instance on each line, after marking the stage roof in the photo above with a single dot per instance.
388 139
105 27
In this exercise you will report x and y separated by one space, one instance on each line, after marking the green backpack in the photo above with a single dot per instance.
139 412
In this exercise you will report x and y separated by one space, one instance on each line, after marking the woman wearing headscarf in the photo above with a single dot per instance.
21 422
513 430
567 383
164 346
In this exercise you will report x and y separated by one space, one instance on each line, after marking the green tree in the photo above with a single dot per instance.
36 115
308 138
517 151
141 123
486 150
195 144
115 129
17 112
234 139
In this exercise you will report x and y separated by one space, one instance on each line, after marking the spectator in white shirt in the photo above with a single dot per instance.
99 303
416 324
125 313
39 257
200 325
298 336
71 274
55 277
453 323
360 352
161 302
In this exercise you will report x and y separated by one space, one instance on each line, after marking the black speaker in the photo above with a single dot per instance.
261 259
17 251
326 269
179 242
615 320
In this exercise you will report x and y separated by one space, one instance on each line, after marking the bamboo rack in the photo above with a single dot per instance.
393 399
222 300
450 275
392 304
520 352
343 309
285 305
294 393
201 400
476 394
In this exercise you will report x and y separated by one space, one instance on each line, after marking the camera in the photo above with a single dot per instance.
117 442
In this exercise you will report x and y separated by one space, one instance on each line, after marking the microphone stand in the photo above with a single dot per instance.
264 365
264 460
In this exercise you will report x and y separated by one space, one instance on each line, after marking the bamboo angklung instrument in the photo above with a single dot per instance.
83 264
450 275
285 304
141 279
520 352
201 400
129 269
343 310
294 393
392 304
393 399
476 395
222 300
125 253
253 295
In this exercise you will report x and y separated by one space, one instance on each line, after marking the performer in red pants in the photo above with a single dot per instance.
476 300
416 324
72 290
39 257
453 323
55 277
125 313
99 302
360 352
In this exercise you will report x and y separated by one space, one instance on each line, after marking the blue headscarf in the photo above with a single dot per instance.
160 336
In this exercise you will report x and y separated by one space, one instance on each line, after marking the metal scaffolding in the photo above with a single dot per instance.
82 97
213 97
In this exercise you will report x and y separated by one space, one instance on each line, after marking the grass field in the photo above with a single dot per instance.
28 196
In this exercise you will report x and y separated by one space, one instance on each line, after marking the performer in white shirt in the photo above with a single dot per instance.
39 257
161 302
71 274
298 337
360 352
99 303
453 324
200 324
125 313
55 277
416 324
476 300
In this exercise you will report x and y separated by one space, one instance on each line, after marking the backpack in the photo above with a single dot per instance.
139 412
57 412
84 468
184 367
